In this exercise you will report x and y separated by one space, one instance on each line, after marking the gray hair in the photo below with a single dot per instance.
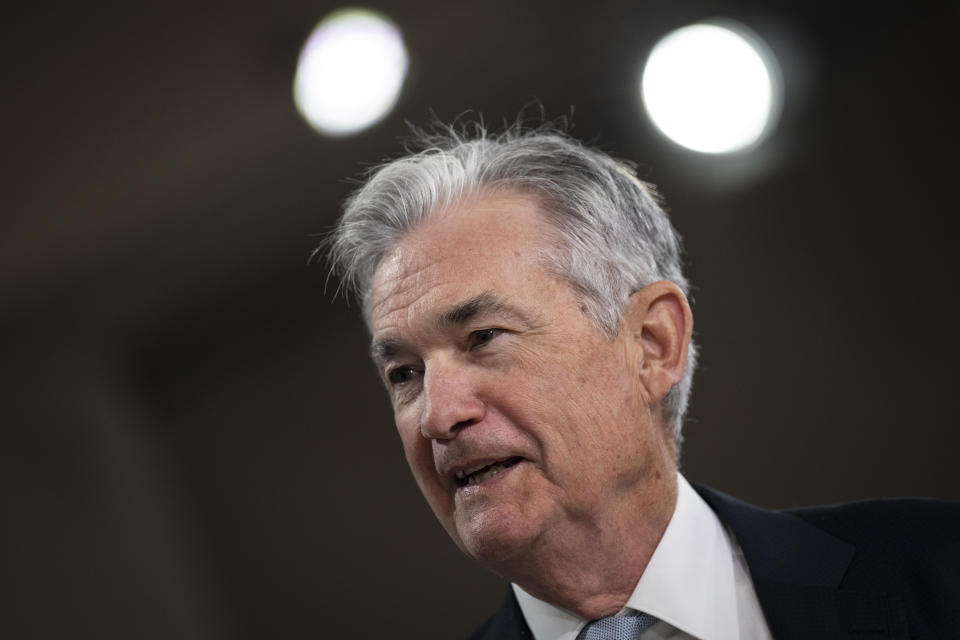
613 238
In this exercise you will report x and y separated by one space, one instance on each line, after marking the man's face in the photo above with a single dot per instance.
520 419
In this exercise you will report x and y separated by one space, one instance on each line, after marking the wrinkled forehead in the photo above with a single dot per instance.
475 246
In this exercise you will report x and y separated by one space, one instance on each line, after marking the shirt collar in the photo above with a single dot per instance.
688 583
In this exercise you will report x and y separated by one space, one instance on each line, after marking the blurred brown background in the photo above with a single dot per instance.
194 444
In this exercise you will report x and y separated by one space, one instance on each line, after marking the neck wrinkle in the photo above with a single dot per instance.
593 574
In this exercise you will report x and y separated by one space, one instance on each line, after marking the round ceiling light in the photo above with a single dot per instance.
713 88
350 72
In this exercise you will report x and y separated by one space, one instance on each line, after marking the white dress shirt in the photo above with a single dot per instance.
697 583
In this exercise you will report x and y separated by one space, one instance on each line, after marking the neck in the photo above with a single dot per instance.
591 568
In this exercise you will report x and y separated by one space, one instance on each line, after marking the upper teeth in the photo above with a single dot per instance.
472 477
463 474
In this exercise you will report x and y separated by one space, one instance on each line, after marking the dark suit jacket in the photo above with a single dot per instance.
877 570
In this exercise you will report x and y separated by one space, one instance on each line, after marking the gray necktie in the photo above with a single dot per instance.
618 627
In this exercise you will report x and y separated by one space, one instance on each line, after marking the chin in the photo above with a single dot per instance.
494 540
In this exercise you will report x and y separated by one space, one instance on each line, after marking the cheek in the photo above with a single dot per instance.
564 386
419 454
416 449
574 404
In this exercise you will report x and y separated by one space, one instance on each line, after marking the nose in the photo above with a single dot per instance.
451 401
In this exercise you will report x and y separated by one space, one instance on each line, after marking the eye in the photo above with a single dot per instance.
481 337
400 375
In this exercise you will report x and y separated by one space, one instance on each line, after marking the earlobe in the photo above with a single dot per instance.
661 325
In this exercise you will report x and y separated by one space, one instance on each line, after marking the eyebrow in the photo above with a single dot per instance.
484 304
481 305
384 349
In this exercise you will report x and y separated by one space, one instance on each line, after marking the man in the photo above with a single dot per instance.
529 318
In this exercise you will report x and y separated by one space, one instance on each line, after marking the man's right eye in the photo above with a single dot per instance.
399 375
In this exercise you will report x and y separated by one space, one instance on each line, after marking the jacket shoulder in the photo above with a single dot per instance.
917 522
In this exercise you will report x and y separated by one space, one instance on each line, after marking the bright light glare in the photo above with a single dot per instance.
711 88
350 72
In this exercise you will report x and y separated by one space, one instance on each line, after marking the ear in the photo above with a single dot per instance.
661 325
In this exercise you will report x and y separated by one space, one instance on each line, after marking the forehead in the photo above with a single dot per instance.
492 244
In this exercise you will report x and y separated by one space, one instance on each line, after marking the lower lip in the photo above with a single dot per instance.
471 489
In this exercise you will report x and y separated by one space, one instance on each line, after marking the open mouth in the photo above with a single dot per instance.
470 477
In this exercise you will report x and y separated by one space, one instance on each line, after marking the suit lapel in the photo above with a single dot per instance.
797 571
